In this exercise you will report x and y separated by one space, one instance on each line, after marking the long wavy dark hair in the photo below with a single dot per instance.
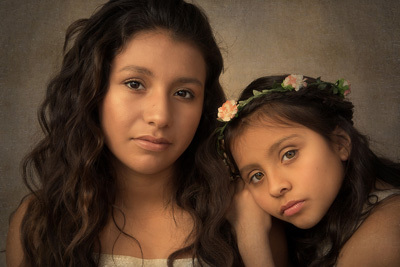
68 172
321 111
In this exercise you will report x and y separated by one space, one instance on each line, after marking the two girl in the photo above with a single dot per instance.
114 179
292 142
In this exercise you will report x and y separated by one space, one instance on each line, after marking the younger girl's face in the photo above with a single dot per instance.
293 173
154 102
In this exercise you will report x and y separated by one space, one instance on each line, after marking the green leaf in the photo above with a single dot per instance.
255 92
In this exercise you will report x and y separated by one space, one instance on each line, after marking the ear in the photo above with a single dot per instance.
341 143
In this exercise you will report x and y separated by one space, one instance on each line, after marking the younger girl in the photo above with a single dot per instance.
114 179
292 141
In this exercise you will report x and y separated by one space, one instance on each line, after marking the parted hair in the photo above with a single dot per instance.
68 172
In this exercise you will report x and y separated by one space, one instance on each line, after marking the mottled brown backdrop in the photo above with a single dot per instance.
355 39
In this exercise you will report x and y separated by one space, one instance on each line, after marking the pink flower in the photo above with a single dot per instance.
227 111
348 91
295 81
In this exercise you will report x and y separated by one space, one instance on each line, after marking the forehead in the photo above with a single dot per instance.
260 119
251 129
258 130
158 51
159 37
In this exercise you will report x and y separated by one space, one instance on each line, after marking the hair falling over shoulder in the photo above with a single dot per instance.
69 172
321 111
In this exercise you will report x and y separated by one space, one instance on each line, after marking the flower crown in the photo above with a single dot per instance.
230 109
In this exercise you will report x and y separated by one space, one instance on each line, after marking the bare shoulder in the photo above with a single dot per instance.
14 250
377 240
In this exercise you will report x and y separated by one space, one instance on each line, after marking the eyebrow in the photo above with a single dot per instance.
246 168
182 80
270 151
137 69
279 142
185 80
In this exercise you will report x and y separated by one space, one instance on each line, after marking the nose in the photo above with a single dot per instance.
157 110
278 185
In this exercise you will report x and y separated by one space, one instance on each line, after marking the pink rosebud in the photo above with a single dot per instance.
295 81
348 91
227 111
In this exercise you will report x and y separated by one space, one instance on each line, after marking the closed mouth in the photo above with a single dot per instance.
154 140
150 143
292 207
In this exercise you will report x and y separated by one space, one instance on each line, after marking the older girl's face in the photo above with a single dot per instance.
293 173
154 102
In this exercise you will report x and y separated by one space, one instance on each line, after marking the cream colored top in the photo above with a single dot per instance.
108 260
383 194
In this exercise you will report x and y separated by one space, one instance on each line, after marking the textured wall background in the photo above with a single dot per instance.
355 39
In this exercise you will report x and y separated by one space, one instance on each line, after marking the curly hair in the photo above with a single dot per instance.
321 111
68 172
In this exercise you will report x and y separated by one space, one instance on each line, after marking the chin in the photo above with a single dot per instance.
305 224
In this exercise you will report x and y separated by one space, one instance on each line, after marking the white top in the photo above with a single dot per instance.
383 194
108 260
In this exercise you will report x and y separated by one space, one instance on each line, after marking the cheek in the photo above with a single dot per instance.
106 116
111 117
189 120
328 181
193 118
337 179
334 170
115 120
261 198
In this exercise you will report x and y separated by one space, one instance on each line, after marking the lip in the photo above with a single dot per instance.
292 207
151 143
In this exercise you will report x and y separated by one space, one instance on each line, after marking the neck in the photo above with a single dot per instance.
138 192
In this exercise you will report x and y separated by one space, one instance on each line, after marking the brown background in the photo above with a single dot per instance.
354 39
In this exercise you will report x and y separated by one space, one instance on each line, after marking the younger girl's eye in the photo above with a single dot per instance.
184 94
257 177
289 155
135 85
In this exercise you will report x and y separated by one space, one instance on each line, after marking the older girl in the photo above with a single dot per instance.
114 179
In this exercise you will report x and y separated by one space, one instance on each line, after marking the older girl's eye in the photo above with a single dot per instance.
256 177
135 85
184 94
289 155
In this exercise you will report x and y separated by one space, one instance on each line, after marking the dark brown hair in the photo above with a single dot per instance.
68 171
321 111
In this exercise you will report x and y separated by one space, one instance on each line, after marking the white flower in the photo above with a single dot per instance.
294 81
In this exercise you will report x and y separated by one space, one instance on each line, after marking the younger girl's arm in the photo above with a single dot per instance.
261 241
377 240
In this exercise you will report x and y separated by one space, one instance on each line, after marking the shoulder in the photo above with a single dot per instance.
14 250
376 242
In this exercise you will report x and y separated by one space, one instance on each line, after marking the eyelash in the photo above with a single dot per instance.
128 84
287 153
253 178
188 94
